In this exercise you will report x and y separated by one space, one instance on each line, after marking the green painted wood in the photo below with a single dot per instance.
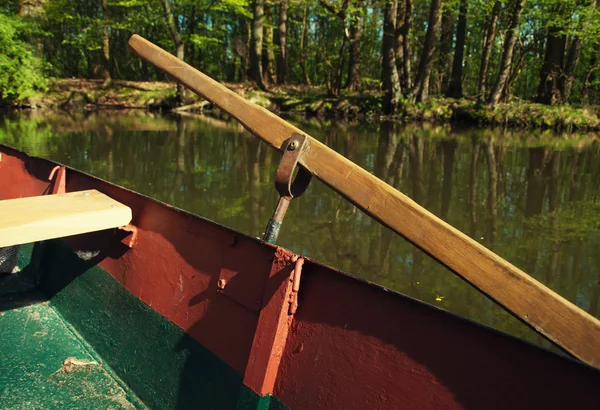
250 400
34 343
165 367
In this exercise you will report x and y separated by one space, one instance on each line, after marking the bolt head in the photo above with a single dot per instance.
293 145
221 283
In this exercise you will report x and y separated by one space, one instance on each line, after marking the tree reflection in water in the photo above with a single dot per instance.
534 200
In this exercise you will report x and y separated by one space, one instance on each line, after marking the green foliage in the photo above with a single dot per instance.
9 6
68 34
22 73
525 114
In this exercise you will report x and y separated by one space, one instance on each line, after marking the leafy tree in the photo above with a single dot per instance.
489 50
22 73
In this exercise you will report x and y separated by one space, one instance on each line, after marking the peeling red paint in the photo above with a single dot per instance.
273 324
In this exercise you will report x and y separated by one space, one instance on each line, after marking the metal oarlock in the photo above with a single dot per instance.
288 188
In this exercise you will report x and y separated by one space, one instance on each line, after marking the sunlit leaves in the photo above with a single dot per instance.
203 41
21 71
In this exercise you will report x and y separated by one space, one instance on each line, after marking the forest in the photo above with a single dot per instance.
405 52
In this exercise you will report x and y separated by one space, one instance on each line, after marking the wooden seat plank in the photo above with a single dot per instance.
38 218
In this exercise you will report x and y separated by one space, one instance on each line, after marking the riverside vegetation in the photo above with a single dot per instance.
509 62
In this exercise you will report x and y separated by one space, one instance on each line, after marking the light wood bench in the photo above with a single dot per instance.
37 218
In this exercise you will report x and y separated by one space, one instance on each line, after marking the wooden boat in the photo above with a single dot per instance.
130 303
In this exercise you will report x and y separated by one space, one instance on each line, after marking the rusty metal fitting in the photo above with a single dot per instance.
287 186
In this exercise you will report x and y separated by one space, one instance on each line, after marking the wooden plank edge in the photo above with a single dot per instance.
113 216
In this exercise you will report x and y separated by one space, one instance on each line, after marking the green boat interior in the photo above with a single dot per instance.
74 338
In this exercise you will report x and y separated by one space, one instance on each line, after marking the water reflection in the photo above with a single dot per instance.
531 199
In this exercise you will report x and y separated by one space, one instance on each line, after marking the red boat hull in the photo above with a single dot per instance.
350 344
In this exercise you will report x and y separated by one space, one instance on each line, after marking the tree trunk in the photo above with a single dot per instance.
356 24
507 54
31 8
179 46
391 81
240 41
335 84
302 48
400 17
424 73
589 79
268 54
282 42
566 81
551 72
105 44
191 28
488 43
445 49
514 73
455 88
256 41
406 52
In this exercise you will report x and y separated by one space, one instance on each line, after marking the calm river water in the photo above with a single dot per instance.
531 197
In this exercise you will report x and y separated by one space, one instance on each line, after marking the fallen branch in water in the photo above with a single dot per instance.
200 105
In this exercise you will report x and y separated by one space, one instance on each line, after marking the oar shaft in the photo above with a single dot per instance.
542 309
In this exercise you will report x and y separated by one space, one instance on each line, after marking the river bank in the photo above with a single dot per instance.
311 101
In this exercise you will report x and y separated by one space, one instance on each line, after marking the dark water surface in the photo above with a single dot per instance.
532 197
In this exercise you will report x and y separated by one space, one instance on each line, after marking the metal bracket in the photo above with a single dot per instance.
60 184
287 186
297 275
133 230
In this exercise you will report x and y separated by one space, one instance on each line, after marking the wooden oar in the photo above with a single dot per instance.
539 307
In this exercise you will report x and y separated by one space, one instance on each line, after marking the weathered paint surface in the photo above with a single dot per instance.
354 346
350 345
45 365
273 325
167 368
115 345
